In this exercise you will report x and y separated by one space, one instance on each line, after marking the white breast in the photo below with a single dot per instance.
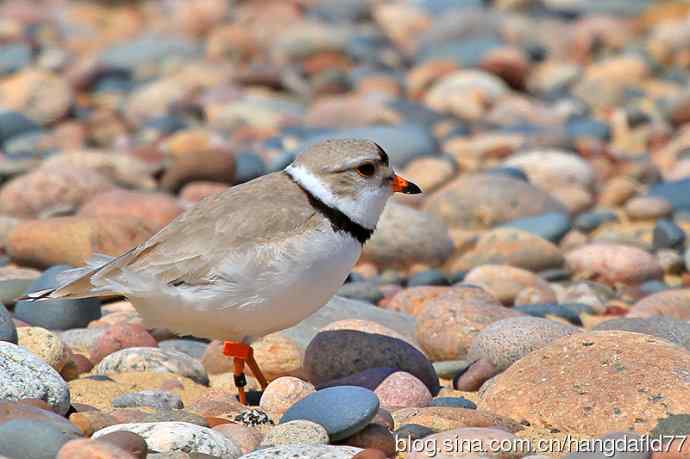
260 290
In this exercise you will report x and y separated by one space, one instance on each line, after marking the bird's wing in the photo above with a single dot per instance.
190 249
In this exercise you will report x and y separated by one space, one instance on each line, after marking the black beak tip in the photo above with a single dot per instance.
411 188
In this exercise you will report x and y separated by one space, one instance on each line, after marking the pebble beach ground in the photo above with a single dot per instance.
535 300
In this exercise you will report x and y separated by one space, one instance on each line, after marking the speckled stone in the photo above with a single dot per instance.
507 341
282 393
299 431
150 398
448 324
247 438
152 359
507 282
8 330
673 330
349 410
45 345
596 366
23 375
402 390
305 451
179 436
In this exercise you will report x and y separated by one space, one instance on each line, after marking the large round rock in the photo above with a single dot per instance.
334 354
594 383
507 341
57 314
448 324
33 439
154 360
342 410
672 330
23 375
614 263
484 201
405 236
671 303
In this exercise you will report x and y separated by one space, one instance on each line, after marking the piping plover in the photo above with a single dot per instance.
254 259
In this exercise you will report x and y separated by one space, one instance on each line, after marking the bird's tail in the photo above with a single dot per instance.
77 283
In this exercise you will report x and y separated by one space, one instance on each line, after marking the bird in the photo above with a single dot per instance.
256 258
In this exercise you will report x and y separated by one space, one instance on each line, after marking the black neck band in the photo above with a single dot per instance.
339 221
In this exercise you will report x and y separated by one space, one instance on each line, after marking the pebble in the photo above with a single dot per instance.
648 208
412 300
149 398
246 438
87 448
672 303
402 390
405 236
25 375
552 226
127 441
120 336
179 436
45 345
299 431
310 451
501 199
192 348
140 359
506 283
447 325
510 246
672 330
428 277
507 341
374 436
485 439
598 365
667 235
8 331
614 263
282 393
57 314
461 402
350 409
30 438
338 353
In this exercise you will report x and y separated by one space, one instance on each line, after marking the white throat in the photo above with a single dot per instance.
366 210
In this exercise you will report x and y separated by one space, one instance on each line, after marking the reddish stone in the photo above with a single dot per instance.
120 336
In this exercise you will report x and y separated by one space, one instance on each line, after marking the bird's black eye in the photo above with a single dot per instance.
366 170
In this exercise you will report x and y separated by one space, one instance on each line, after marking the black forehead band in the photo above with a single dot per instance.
382 154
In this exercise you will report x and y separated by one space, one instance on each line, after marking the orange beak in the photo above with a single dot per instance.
400 185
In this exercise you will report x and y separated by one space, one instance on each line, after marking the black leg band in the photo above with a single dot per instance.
240 380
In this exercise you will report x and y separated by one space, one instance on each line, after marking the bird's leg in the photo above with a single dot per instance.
242 353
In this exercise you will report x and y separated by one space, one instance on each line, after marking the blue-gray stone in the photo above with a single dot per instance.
248 166
14 57
551 226
403 142
583 127
342 411
11 289
31 439
676 192
542 310
653 286
280 162
56 314
467 52
8 331
191 347
460 402
589 221
667 235
150 398
148 50
428 277
14 123
439 7
363 291
447 369
456 277
164 125
512 172
672 330
413 112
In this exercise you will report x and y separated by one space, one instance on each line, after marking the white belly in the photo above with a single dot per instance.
265 290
